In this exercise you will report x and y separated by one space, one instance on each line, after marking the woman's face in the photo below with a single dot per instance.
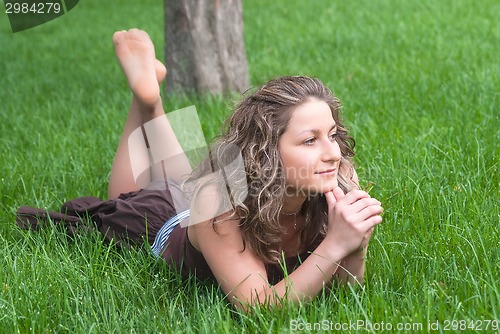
309 150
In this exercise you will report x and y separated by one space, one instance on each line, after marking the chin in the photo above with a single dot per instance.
323 187
315 187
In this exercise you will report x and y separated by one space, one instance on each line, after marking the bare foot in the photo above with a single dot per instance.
136 55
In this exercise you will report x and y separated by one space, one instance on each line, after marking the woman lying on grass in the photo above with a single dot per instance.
301 221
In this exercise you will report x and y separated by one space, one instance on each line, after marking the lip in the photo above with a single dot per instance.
328 172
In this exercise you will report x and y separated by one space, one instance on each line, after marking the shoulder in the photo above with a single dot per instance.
208 203
222 229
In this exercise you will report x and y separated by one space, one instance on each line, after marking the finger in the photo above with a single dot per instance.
369 214
373 220
370 231
338 193
355 195
363 203
369 225
330 199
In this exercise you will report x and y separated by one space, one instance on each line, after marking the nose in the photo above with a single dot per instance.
331 151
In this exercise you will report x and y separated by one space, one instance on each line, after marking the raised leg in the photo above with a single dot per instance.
144 73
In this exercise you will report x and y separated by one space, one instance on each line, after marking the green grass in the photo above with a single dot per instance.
419 82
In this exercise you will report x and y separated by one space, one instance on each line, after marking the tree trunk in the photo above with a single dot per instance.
204 46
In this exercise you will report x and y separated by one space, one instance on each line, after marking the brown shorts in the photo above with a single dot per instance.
133 217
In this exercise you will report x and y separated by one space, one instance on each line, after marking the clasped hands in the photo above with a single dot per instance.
351 219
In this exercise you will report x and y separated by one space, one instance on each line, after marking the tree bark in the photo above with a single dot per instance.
204 46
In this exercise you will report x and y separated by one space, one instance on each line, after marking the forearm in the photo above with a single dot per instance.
305 282
352 268
314 273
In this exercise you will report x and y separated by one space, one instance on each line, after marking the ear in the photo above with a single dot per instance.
354 177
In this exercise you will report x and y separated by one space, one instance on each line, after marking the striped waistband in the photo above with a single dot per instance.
165 231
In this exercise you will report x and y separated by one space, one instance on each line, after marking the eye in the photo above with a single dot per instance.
333 136
309 141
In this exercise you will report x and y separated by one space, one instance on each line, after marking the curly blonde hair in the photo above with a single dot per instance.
255 127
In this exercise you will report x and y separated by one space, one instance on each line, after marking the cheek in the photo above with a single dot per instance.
297 166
